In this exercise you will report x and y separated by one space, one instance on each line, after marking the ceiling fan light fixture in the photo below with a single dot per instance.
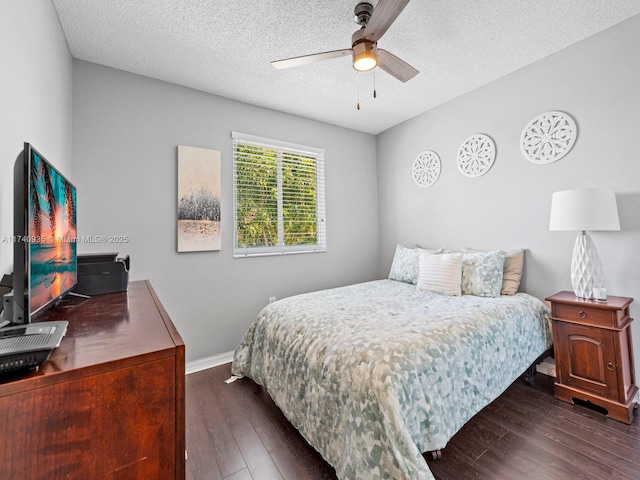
365 56
374 22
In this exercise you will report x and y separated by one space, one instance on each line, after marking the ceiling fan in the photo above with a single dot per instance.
364 42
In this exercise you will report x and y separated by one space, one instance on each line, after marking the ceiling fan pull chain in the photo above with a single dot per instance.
374 84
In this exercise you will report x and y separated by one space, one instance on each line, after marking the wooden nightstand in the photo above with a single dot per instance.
594 352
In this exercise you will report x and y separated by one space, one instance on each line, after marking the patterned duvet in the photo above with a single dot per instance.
373 374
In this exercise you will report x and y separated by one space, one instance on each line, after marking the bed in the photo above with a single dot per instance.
376 373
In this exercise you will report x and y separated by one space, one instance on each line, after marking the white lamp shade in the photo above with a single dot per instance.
588 209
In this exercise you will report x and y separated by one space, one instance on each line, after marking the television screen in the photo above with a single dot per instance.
45 260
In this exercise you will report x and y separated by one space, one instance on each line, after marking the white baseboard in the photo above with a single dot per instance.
208 362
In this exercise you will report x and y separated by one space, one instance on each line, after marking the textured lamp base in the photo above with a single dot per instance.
586 269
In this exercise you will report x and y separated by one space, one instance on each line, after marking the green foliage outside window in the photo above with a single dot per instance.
299 207
258 192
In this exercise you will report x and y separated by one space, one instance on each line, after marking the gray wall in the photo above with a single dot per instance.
126 130
597 82
35 98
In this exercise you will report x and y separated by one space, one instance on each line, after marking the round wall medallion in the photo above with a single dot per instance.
548 137
426 168
476 155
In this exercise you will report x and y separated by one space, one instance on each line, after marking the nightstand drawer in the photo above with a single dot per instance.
586 315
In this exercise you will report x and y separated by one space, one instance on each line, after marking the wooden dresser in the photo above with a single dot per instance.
109 402
594 352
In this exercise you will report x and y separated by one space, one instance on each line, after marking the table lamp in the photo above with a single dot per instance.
586 209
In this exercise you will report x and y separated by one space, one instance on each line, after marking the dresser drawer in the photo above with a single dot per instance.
585 314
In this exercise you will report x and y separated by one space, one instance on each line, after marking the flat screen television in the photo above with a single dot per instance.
45 258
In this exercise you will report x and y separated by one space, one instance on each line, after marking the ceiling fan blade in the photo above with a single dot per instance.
305 59
395 66
383 16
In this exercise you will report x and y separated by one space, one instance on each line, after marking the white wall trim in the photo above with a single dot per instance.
208 362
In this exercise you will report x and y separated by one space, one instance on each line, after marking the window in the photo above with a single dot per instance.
278 196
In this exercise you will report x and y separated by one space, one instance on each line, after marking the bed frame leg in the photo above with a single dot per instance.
529 376
435 454
530 373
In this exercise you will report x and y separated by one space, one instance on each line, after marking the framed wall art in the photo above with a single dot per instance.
198 199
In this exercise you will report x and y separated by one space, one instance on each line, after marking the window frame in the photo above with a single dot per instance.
239 138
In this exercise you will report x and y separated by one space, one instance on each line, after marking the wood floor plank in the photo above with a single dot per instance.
616 475
546 435
199 447
209 439
576 435
269 431
199 442
294 467
477 436
243 474
255 454
526 433
457 464
503 467
596 423
548 461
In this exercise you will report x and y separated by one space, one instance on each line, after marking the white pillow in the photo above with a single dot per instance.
441 273
405 265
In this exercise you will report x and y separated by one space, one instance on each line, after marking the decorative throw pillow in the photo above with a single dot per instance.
441 273
482 273
512 272
406 263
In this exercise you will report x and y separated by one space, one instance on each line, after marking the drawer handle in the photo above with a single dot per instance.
610 366
581 314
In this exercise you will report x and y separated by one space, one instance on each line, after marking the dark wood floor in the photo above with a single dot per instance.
235 432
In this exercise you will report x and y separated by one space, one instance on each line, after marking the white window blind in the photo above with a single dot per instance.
278 196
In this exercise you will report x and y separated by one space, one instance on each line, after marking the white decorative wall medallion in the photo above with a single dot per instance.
426 168
476 155
548 137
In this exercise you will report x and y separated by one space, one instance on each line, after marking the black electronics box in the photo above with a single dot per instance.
100 273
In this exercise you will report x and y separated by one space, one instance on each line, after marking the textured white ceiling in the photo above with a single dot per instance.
224 47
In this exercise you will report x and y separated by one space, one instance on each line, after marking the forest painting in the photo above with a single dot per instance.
198 199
